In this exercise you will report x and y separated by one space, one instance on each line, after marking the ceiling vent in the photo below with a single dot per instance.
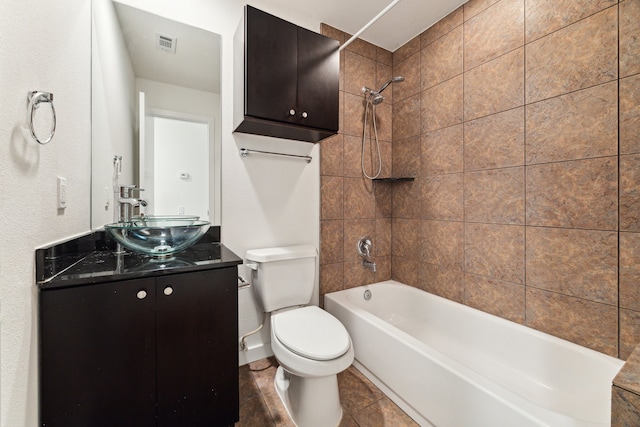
166 43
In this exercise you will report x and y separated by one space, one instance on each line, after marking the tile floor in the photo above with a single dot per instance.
364 405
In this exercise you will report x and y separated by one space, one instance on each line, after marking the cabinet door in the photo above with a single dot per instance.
270 66
97 355
197 354
318 80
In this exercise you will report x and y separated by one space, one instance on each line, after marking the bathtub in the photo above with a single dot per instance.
449 365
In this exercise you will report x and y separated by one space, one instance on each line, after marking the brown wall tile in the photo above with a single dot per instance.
581 55
624 408
495 196
576 194
332 155
496 297
406 199
406 157
405 113
384 122
495 251
629 331
406 271
580 263
331 241
359 200
357 275
629 37
359 71
578 125
382 244
630 114
441 105
442 27
442 197
410 70
494 86
494 141
442 151
474 7
331 278
442 281
442 59
406 238
331 199
630 271
353 114
403 52
546 16
384 56
352 156
443 243
630 192
583 322
384 199
489 35
362 47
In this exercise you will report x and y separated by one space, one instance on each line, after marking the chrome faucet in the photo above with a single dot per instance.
126 202
367 263
364 247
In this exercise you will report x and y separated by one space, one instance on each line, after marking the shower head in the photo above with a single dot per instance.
396 79
376 98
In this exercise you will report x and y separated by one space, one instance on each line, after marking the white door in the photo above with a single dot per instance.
180 167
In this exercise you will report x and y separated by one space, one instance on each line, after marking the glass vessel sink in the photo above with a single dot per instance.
160 237
163 220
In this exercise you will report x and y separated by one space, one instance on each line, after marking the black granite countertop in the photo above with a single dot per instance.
92 258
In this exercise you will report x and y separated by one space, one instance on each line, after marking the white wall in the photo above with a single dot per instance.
265 200
44 45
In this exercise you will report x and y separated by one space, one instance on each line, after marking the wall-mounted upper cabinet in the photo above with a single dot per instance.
286 79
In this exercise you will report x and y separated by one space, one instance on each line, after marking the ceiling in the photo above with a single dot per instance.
403 22
407 19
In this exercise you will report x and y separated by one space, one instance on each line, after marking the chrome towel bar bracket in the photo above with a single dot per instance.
244 152
34 99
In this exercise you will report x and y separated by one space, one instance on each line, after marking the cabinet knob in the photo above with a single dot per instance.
142 294
304 115
168 290
292 112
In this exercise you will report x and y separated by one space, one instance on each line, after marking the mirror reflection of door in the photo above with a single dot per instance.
175 163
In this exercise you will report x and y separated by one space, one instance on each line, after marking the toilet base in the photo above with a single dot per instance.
310 401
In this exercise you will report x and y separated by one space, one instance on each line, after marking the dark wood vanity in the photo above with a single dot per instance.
133 341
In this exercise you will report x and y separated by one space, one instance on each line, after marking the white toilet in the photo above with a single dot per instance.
311 345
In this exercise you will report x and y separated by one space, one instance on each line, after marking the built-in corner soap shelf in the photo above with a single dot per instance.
395 179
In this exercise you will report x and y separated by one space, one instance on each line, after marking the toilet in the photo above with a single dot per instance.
311 345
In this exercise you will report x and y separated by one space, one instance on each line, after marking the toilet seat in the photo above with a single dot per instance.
311 332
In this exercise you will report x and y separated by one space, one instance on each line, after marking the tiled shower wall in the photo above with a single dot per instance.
520 120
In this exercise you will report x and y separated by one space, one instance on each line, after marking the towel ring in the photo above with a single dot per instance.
35 98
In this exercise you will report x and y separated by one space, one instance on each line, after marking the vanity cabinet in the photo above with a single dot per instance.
158 351
291 79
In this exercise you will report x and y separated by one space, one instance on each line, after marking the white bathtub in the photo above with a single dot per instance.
449 365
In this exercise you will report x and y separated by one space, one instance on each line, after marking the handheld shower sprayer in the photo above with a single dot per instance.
373 98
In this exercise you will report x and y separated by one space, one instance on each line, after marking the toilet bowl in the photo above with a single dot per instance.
311 345
306 380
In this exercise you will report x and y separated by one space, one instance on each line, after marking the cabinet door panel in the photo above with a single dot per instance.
197 352
270 66
318 79
97 355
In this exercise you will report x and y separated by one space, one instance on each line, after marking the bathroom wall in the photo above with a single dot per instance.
520 120
352 206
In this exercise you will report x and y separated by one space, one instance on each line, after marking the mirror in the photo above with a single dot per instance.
156 104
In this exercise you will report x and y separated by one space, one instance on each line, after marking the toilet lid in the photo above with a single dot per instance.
311 332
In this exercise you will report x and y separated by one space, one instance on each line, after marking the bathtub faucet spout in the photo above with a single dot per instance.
369 264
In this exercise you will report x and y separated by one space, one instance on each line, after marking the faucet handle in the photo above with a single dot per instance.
125 190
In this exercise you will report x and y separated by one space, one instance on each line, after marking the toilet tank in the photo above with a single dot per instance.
283 276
